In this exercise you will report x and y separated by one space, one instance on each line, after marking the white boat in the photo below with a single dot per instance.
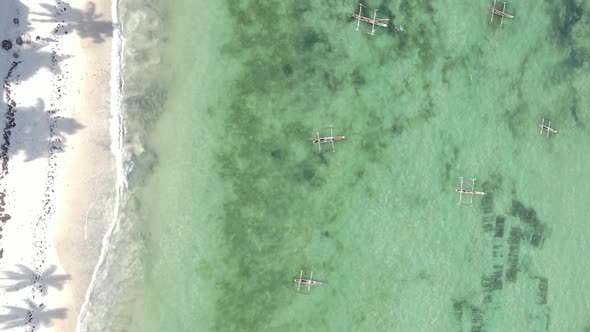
328 139
380 22
306 283
547 127
465 191
502 13
377 22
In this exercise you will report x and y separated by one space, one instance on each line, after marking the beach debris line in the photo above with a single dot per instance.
502 13
373 21
547 127
471 192
306 283
327 139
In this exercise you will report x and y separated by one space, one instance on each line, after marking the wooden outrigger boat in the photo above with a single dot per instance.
306 282
547 127
471 192
461 190
502 13
329 139
374 21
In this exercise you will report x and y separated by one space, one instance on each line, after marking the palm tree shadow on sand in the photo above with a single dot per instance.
31 52
33 131
88 24
25 277
32 316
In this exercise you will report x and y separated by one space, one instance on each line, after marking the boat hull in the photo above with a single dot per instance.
369 20
307 282
498 12
471 192
323 140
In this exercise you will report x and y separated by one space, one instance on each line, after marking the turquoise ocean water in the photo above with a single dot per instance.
228 201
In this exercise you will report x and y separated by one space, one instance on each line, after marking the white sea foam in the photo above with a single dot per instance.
118 271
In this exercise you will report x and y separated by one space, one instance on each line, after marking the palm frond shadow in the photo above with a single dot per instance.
34 124
25 277
88 24
32 315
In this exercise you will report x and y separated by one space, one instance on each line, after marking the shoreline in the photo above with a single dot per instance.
116 133
92 220
58 177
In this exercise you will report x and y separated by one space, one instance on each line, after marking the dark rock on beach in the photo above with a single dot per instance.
6 45
19 41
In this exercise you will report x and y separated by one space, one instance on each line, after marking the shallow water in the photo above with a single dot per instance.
231 201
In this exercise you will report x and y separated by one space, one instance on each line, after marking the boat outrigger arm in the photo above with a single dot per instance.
306 282
374 21
502 13
329 139
469 192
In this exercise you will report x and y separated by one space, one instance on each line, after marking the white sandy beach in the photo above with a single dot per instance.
57 181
